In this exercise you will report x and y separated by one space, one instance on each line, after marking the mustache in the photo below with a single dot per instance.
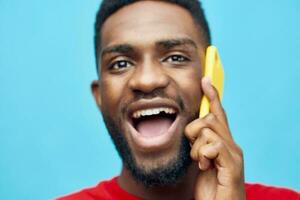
156 93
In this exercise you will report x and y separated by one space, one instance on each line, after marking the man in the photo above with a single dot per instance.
150 56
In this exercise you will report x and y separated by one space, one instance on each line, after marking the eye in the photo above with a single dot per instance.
176 59
120 65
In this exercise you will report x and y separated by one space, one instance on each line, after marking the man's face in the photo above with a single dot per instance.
149 87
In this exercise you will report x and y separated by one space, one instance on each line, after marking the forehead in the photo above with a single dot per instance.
144 22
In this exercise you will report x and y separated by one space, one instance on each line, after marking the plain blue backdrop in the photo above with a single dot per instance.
52 138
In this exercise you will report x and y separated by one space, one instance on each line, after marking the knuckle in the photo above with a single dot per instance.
193 155
220 145
192 130
201 151
238 156
211 119
205 133
239 151
188 131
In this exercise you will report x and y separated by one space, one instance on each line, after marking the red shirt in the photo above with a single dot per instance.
110 190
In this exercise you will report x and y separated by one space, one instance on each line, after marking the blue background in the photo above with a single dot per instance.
52 138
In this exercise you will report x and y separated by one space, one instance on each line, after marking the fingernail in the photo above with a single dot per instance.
200 167
207 80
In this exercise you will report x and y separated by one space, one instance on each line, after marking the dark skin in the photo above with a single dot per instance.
153 45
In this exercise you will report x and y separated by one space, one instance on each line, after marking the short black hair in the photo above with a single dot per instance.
109 7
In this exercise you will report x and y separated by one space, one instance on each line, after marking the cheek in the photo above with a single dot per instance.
190 86
112 92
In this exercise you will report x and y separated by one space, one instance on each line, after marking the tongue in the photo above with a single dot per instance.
154 126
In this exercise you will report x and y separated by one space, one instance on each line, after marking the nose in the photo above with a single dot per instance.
148 77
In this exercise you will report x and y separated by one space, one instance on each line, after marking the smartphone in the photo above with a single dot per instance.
214 70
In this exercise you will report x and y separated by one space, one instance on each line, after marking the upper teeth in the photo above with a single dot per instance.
152 111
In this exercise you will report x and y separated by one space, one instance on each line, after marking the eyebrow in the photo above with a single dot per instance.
166 44
119 48
172 43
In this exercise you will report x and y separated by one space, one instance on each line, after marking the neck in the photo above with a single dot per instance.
184 189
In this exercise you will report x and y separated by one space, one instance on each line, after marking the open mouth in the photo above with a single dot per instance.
154 121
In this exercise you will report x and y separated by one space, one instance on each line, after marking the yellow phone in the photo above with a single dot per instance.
214 70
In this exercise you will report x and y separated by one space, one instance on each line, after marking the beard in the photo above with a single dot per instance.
166 175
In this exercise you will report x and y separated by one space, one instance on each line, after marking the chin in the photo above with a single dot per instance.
158 169
157 159
150 161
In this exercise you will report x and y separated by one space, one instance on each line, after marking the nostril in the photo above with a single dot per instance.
157 92
148 81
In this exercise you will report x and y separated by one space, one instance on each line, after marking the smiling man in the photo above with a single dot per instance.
150 56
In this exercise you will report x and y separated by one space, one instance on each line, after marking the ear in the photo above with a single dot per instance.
95 87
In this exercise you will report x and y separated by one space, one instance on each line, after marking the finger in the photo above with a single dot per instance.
202 140
218 152
206 137
210 121
214 99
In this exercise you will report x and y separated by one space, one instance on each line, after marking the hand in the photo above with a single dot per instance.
219 158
